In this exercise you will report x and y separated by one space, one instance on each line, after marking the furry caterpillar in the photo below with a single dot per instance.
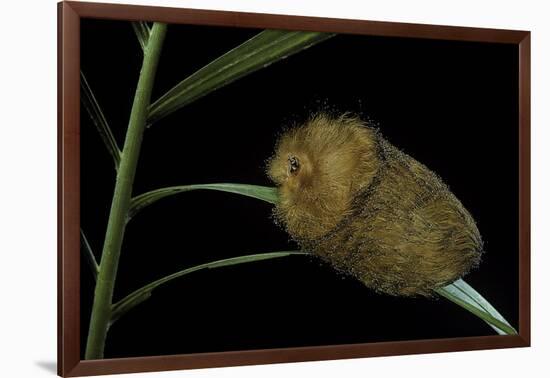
370 210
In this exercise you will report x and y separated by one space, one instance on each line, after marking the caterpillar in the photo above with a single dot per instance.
368 209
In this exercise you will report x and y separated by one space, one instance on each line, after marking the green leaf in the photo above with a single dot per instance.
263 193
464 295
97 117
458 292
265 48
142 31
142 294
88 255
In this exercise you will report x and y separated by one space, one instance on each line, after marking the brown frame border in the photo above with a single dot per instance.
69 14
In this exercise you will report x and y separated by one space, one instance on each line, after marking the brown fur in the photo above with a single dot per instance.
370 210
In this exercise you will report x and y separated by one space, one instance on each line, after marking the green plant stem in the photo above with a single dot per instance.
101 310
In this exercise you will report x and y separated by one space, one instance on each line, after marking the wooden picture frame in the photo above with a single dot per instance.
69 333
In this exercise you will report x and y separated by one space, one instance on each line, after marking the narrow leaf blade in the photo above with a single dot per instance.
458 292
88 255
142 294
482 302
265 48
464 295
90 103
264 193
142 33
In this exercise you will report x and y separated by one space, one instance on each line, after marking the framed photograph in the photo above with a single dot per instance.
239 188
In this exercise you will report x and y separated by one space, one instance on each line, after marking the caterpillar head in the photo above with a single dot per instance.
318 168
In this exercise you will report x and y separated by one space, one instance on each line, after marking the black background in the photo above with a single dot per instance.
451 105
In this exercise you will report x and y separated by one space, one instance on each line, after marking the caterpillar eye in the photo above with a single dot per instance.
293 165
